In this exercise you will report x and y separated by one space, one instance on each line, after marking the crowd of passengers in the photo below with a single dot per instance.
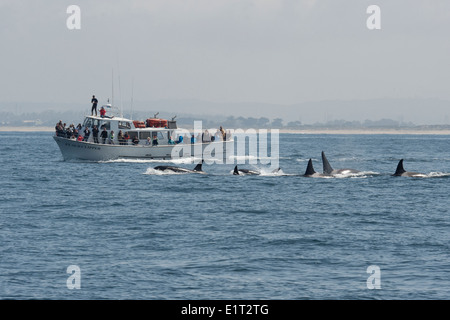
76 133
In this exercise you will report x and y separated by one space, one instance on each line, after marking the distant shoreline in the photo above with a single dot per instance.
293 131
369 131
27 129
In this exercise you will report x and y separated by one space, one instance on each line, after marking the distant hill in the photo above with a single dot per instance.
358 113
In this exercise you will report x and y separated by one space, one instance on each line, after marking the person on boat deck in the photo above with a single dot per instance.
155 140
217 135
193 140
111 137
171 140
149 141
206 137
59 130
104 135
135 140
94 102
79 127
120 138
224 135
102 112
228 135
69 132
87 133
95 132
180 139
126 137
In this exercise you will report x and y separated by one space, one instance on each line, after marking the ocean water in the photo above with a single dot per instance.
135 233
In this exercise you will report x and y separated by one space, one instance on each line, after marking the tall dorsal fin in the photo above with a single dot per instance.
310 169
327 169
400 168
236 171
198 167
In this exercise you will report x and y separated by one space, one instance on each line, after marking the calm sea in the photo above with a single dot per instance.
137 234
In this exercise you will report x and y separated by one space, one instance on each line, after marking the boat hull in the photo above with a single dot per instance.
80 150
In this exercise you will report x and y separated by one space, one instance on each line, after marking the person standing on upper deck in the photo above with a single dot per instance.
94 102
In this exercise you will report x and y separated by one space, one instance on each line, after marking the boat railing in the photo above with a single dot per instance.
128 142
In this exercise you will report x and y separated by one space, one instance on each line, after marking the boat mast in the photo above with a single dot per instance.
112 88
120 94
132 87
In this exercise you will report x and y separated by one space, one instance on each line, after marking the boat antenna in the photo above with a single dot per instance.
132 87
173 118
120 88
112 87
156 114
121 102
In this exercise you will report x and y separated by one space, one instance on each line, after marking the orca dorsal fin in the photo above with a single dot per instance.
236 171
310 169
400 168
327 169
198 167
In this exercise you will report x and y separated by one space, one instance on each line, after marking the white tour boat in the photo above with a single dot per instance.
151 139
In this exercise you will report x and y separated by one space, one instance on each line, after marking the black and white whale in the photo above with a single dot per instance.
237 171
197 169
327 169
403 173
310 172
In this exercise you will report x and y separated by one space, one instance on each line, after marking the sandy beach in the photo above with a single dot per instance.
309 131
27 129
367 131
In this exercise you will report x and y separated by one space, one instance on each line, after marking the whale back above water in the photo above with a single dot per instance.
310 172
401 172
327 169
237 171
198 169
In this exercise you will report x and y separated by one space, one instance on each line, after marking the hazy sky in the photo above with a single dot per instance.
268 51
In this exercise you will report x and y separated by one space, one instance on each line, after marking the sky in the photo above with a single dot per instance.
272 52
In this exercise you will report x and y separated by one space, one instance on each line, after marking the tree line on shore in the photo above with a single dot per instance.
49 118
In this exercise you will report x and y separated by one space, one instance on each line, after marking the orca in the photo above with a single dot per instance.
327 169
401 172
310 172
197 169
237 171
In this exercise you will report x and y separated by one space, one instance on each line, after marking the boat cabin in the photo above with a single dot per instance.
160 128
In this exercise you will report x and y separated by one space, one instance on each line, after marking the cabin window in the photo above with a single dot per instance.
96 123
105 124
87 122
124 125
144 135
132 134
158 134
